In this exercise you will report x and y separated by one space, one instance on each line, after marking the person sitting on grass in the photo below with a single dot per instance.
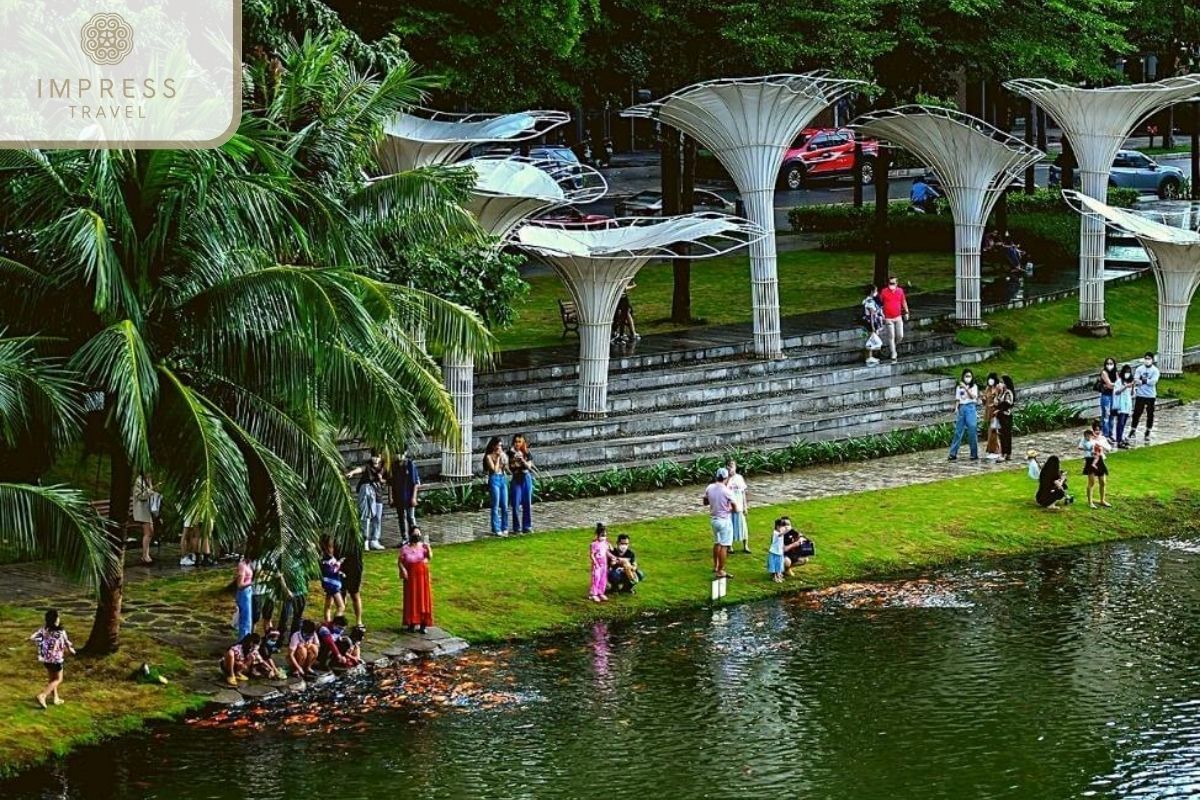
1052 485
53 645
238 660
303 649
623 572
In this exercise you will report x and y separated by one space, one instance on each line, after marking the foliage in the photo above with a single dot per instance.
476 275
1029 417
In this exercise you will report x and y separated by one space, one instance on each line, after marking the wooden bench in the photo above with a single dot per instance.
102 508
570 317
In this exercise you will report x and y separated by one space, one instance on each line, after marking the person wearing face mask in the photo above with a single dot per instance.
895 312
623 571
371 480
1145 394
991 416
1123 403
1105 385
966 415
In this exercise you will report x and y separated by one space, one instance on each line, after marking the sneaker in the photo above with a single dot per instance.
872 361
187 561
376 546
1146 436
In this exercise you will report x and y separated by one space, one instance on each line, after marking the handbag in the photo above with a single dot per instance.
155 504
807 548
994 424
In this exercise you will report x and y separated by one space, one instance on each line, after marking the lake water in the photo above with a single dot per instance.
1073 674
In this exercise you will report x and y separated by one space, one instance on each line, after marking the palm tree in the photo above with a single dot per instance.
224 306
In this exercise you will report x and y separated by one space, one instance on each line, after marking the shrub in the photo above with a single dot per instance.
1005 343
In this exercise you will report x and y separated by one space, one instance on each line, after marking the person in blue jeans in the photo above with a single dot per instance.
372 477
966 415
1106 383
520 466
495 467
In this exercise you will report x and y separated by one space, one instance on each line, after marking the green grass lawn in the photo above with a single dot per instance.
809 280
510 588
1046 349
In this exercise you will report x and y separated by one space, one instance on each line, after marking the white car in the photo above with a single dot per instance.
649 203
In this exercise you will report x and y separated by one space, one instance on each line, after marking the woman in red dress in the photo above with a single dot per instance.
413 564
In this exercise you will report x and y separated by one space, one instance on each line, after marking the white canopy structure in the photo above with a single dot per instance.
598 261
749 124
975 163
439 137
507 191
1175 259
1097 122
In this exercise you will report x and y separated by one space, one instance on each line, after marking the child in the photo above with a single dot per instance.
52 645
330 635
303 649
775 552
331 579
238 659
1095 466
1033 467
600 554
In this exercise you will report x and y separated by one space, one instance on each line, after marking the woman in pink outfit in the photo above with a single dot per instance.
600 559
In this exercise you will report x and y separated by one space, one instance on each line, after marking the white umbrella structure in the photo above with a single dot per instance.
749 124
1175 259
427 137
598 261
975 163
507 191
1097 122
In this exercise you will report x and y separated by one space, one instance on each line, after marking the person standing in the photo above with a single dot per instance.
495 467
413 565
352 578
895 312
873 323
520 466
991 419
1095 465
1145 394
406 485
143 490
52 645
244 584
1123 403
293 602
721 506
370 499
966 415
1005 402
737 486
599 555
1106 383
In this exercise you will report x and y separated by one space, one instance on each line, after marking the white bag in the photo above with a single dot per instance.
155 504
874 342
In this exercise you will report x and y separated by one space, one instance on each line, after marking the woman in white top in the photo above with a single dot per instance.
143 488
737 487
966 415
1123 404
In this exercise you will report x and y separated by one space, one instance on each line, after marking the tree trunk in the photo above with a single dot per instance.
1196 150
681 268
1043 120
1168 133
1031 123
857 175
1067 179
883 245
106 626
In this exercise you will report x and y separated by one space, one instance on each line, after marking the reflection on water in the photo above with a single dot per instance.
1072 674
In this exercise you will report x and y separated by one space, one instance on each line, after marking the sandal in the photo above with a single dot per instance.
41 700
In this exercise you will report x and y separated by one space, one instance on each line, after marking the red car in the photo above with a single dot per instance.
826 153
570 215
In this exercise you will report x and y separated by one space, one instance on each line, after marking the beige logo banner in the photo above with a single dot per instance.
119 73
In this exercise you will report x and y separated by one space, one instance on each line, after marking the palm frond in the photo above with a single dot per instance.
35 394
117 362
55 523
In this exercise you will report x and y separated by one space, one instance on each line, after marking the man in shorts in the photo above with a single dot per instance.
721 505
352 576
895 312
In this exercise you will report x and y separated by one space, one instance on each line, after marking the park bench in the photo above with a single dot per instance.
570 317
132 530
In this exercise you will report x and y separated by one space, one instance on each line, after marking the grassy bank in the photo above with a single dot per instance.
1047 350
808 281
512 588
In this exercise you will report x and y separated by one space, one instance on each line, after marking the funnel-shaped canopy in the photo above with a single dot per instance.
427 137
510 189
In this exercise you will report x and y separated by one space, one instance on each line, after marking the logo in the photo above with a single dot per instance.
106 39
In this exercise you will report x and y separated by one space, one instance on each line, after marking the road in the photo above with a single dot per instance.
624 181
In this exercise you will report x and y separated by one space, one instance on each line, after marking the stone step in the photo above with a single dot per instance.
562 393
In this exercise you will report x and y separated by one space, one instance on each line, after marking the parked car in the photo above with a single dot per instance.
826 153
1133 170
555 153
648 203
570 215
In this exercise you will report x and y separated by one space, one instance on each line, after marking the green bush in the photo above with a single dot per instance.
1031 417
1004 343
